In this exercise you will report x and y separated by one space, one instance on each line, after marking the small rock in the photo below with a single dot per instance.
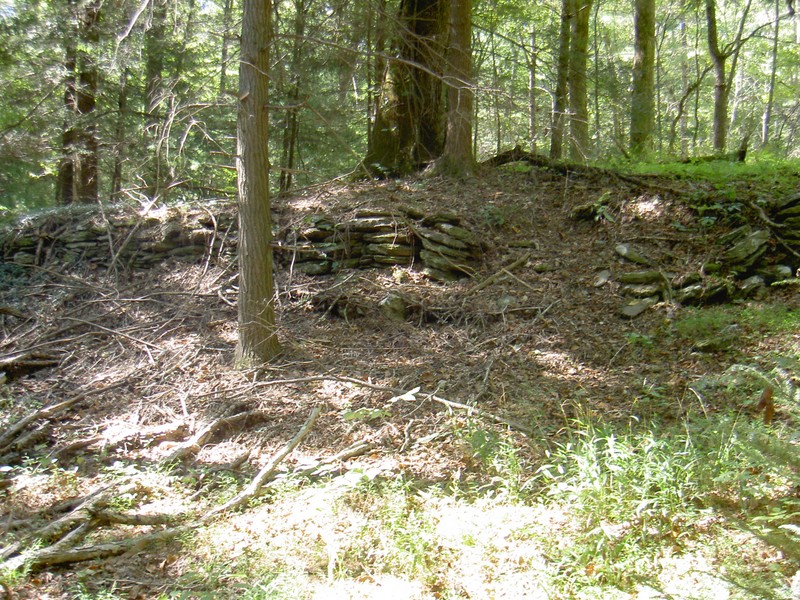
775 273
642 290
753 286
395 306
630 253
634 309
602 278
720 342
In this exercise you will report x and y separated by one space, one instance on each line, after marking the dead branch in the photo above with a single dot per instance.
58 556
193 445
56 530
492 278
143 437
268 470
50 411
115 332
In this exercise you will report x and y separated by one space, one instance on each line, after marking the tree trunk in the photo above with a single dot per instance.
718 58
722 82
562 77
258 340
409 128
119 136
578 100
156 91
227 9
458 159
532 91
78 169
642 97
291 129
765 124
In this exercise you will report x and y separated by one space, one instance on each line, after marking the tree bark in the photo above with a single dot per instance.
718 59
291 129
258 340
532 91
642 97
766 122
578 97
457 159
78 169
409 128
560 96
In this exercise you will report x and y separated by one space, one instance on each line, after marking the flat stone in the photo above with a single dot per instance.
634 309
637 277
459 233
314 268
632 254
642 290
389 250
602 278
443 239
443 263
749 249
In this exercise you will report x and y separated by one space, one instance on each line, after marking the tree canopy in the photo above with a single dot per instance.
137 100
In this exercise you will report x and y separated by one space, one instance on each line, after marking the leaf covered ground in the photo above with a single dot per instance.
514 437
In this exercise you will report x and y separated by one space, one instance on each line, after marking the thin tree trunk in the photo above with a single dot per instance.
119 141
292 124
227 10
765 125
78 170
496 97
532 91
258 339
560 97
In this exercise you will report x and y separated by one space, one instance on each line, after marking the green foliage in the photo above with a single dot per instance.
764 319
498 456
399 536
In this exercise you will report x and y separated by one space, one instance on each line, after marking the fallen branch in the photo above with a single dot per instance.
492 278
50 411
58 556
399 392
268 470
193 445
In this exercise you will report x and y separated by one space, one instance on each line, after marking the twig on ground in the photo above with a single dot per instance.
193 445
494 277
115 332
49 411
268 470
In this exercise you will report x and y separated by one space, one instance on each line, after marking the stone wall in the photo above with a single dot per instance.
438 244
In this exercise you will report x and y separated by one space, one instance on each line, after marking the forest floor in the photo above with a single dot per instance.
443 463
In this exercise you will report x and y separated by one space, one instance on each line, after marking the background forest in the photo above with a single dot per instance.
144 93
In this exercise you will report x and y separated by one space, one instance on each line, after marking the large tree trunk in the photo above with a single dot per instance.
578 97
560 96
78 169
642 97
409 129
258 340
457 159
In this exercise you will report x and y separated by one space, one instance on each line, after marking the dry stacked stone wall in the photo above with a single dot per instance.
439 245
